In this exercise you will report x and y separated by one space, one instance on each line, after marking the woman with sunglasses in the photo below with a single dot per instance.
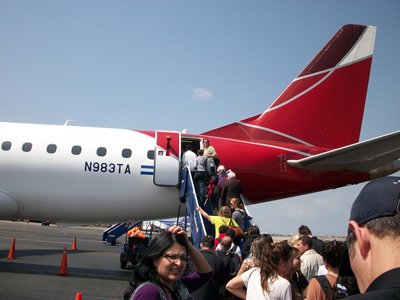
159 274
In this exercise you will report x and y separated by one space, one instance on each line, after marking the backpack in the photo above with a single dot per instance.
211 167
230 265
192 164
245 216
337 292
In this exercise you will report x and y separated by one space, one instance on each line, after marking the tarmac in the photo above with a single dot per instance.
93 268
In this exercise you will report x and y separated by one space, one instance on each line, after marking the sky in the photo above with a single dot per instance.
194 65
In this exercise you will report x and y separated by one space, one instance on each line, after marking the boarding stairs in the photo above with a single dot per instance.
111 234
199 226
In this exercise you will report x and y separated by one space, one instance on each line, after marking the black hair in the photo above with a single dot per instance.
304 230
208 241
223 229
230 232
268 238
332 252
145 269
254 229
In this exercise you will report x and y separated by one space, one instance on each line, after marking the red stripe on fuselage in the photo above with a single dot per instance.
266 176
147 132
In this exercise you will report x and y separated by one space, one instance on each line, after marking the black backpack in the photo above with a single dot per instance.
230 265
337 292
230 262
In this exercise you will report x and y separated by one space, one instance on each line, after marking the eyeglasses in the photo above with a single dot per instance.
173 258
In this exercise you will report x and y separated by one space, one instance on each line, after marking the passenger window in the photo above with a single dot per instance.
126 153
150 154
51 148
26 147
6 146
76 150
101 151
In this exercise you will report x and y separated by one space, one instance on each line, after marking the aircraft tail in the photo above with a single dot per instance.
324 105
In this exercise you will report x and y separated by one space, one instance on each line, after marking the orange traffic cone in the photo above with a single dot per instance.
74 245
78 296
63 268
11 253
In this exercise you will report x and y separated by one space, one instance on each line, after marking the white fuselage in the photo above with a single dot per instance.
82 187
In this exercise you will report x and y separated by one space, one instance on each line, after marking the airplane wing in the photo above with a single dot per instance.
367 156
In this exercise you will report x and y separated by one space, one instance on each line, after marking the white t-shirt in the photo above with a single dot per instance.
310 262
280 289
189 160
238 251
322 270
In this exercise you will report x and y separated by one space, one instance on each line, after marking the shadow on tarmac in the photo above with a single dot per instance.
26 268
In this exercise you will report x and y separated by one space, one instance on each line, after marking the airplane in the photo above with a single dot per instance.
306 141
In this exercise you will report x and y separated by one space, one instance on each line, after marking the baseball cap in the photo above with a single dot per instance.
379 198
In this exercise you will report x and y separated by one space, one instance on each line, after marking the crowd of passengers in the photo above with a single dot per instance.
228 267
242 263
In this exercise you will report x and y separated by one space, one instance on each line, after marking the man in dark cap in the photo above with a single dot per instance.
374 240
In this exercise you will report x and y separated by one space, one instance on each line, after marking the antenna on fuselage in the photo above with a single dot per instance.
67 122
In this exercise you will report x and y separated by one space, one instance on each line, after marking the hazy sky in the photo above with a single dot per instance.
193 65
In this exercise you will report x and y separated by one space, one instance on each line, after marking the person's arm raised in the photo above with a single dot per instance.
204 214
201 264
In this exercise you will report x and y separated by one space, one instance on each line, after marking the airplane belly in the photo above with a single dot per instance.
8 205
96 198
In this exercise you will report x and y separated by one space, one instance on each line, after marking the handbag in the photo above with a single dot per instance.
238 231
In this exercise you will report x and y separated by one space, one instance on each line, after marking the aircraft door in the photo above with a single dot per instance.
167 158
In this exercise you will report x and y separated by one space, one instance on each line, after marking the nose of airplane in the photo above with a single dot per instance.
8 205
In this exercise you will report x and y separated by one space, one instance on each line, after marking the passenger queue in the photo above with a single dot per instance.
242 263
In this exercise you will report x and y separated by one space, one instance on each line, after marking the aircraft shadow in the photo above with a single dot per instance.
88 273
41 252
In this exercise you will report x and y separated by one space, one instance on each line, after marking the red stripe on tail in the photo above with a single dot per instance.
324 105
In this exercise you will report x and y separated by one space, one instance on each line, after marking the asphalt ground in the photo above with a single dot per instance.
93 269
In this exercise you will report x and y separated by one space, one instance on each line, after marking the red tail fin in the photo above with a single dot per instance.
324 105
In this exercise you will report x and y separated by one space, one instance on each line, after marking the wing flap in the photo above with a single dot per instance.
366 156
